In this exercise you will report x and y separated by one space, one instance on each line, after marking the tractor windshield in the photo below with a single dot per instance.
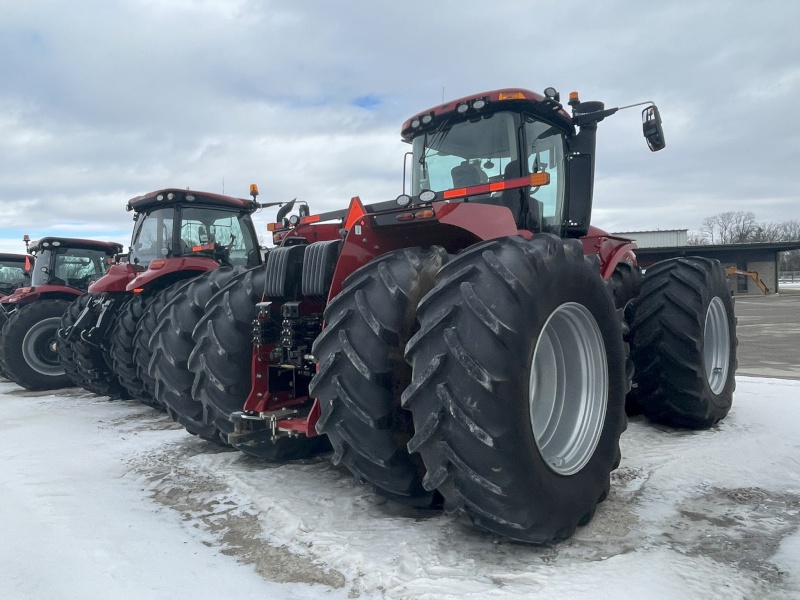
75 267
466 154
12 276
496 148
226 236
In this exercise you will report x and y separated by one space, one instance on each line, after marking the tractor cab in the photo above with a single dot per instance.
180 223
518 149
502 152
62 268
178 235
69 262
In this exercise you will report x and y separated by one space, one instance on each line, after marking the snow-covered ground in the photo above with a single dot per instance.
110 500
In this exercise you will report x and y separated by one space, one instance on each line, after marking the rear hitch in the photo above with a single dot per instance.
77 328
95 331
263 425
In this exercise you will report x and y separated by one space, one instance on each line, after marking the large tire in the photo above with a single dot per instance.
121 350
172 344
683 343
142 349
518 390
362 372
626 281
28 349
221 361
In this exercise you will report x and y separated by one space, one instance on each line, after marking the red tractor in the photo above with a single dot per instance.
62 271
470 343
179 236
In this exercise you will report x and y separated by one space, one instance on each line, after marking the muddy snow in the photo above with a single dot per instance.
109 499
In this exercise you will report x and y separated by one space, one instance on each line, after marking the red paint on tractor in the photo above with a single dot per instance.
189 264
116 279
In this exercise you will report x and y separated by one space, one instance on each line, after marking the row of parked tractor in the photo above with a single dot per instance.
474 344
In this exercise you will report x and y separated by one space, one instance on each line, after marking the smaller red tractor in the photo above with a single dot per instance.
62 270
471 343
178 236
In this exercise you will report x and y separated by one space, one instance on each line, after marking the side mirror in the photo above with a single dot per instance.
651 127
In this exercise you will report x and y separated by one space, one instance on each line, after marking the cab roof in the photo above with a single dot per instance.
46 243
506 98
174 196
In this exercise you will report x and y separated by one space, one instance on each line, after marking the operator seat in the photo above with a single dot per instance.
465 175
202 235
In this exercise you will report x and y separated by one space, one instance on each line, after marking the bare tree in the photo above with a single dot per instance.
767 232
732 227
741 227
789 230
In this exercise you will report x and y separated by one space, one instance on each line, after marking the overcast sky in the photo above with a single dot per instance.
104 100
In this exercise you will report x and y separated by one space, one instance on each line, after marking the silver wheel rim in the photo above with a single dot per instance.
39 348
568 388
716 345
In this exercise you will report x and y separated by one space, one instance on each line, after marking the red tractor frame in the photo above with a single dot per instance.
471 342
62 271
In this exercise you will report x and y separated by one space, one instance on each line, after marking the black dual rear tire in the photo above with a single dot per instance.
683 343
362 372
142 343
220 359
29 346
121 348
496 410
171 345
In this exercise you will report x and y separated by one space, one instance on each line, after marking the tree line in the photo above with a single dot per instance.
741 227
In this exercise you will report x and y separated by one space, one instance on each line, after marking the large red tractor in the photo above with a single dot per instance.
62 270
179 237
471 342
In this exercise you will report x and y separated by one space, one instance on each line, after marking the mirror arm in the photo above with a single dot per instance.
583 119
598 115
